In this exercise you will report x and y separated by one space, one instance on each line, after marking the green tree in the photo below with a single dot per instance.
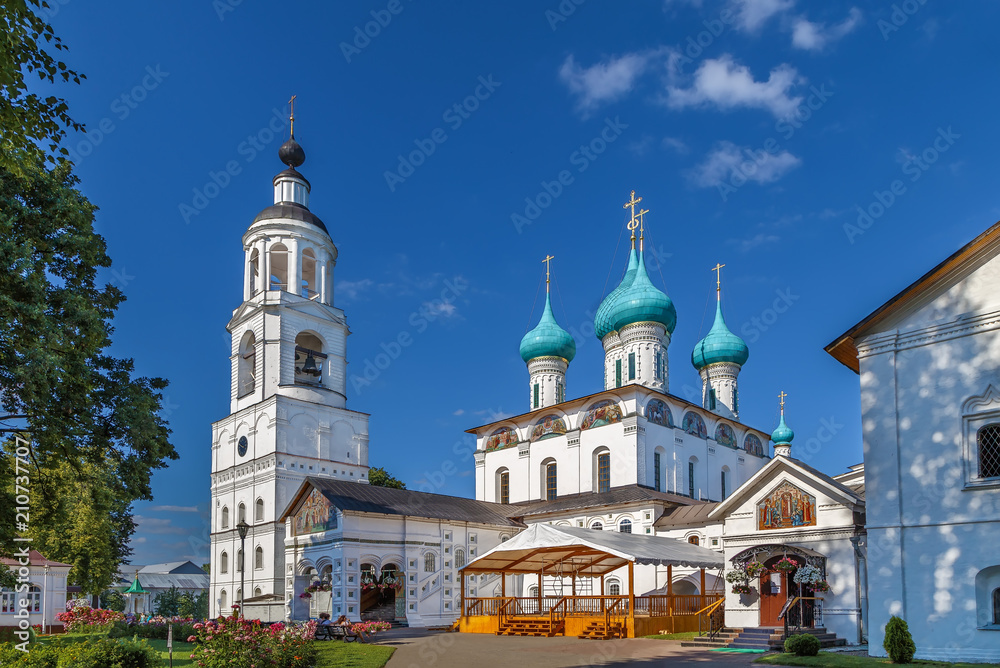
94 429
32 125
379 477
194 605
168 603
112 599
898 643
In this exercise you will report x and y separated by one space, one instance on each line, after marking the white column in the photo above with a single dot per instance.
322 279
294 268
246 272
265 265
329 282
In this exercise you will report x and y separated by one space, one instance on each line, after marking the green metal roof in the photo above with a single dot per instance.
136 588
643 302
603 324
782 435
548 339
720 345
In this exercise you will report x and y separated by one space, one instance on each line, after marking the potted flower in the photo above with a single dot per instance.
754 569
811 577
742 589
786 564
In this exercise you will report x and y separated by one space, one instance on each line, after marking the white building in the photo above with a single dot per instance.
42 594
929 365
288 416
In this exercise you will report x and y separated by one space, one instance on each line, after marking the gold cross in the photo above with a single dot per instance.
547 260
781 398
291 115
633 223
718 277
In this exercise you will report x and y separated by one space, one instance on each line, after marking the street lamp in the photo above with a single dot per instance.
242 529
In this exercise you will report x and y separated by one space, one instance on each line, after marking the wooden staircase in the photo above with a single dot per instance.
531 626
603 631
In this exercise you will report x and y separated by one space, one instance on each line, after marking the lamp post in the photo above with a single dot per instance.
242 529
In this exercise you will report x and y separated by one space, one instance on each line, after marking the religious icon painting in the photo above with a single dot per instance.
786 507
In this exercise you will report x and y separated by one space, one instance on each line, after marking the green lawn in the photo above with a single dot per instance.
686 635
182 652
336 654
835 659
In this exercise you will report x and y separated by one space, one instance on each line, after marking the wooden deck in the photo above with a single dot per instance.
594 617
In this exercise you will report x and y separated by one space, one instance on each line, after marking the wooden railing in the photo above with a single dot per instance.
581 606
503 614
616 612
528 605
557 614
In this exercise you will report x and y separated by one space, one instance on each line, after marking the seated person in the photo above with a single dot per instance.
342 620
324 619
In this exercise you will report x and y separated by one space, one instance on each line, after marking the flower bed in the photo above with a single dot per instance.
231 642
82 618
155 628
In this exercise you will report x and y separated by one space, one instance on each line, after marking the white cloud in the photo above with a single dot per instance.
460 411
605 81
751 15
351 290
439 308
728 85
642 146
675 144
155 525
727 160
816 36
758 239
174 509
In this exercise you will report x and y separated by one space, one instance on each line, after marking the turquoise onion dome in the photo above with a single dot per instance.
641 301
720 345
548 339
782 435
603 324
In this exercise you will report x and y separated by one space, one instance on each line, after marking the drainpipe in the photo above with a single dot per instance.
861 577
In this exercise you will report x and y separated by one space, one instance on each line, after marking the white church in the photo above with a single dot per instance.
291 462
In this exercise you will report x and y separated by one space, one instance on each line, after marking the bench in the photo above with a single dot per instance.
333 632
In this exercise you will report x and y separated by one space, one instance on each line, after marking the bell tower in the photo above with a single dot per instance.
288 391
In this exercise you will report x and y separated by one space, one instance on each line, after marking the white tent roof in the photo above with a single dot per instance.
557 550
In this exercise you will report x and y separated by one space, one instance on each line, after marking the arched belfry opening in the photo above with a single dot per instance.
247 363
279 267
309 359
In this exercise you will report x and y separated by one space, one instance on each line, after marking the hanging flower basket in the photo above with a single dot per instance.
786 564
305 594
743 589
754 569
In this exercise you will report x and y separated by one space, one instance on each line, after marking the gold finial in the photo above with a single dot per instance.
781 399
548 259
718 280
291 116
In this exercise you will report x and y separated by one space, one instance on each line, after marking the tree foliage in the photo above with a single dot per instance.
898 643
194 606
112 599
33 125
94 430
168 603
379 477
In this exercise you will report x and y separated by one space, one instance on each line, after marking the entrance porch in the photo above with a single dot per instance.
543 551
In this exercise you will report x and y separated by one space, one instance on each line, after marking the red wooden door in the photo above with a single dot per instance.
773 595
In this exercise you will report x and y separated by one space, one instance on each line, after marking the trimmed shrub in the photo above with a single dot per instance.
108 653
898 642
37 656
9 634
803 644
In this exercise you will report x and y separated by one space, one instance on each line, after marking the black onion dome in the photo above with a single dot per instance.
293 211
291 153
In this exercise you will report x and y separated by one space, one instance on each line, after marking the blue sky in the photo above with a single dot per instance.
754 129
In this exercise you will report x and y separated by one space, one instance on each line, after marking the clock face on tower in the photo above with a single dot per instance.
241 447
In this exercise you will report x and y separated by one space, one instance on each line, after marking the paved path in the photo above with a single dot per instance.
418 648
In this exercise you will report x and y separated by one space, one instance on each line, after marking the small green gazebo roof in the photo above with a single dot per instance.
136 588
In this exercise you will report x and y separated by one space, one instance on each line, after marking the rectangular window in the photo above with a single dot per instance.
603 472
724 494
536 395
691 479
657 370
711 400
631 366
550 482
618 373
560 393
656 471
505 487
736 402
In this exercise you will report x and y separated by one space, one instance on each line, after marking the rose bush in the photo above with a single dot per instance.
82 618
231 642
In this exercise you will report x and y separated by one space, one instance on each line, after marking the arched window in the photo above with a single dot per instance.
254 271
279 267
459 558
258 513
225 517
430 563
241 514
625 526
724 480
239 561
550 481
694 540
327 574
222 601
988 439
658 470
597 526
533 591
309 358
258 558
256 591
614 588
239 595
692 473
309 282
603 462
247 363
224 562
996 606
503 486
